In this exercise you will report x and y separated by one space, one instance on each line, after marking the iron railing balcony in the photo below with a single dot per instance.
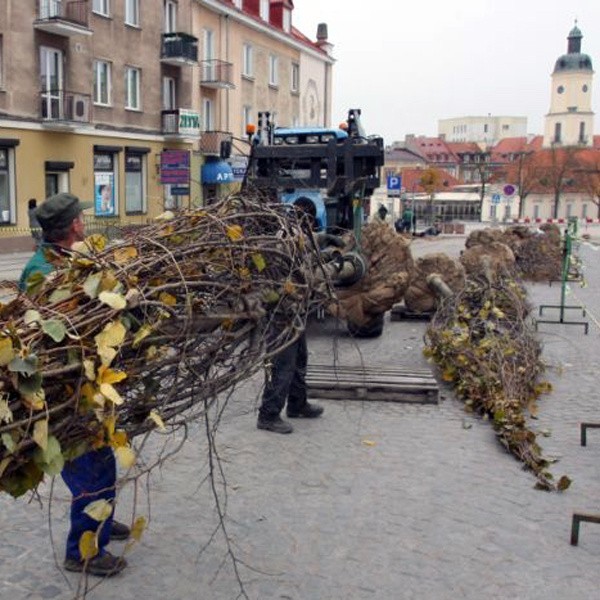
211 142
216 74
179 49
64 109
181 123
62 17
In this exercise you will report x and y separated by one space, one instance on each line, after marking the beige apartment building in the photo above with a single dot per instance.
127 102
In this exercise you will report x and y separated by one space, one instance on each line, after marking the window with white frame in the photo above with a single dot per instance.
208 114
169 94
287 20
295 78
170 16
101 7
1 63
135 182
102 82
273 70
238 3
264 9
248 61
208 54
132 12
132 88
246 118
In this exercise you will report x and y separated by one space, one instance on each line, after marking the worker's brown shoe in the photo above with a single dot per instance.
106 565
119 531
308 411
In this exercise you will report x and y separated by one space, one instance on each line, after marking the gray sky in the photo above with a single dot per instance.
408 63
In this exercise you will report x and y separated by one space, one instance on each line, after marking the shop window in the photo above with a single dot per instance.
105 183
135 181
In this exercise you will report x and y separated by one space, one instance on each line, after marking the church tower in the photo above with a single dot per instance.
570 121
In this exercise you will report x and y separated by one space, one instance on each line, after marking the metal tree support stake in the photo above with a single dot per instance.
570 233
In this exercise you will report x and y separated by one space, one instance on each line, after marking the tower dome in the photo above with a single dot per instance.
574 60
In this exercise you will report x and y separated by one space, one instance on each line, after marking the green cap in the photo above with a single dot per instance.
59 210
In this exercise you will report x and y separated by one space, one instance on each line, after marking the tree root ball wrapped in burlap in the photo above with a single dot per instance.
389 269
420 297
495 255
484 237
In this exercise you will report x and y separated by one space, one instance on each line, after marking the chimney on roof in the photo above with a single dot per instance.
323 39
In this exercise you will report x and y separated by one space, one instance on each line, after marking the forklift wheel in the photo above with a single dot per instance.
372 329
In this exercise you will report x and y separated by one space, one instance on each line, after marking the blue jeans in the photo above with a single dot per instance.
287 381
89 477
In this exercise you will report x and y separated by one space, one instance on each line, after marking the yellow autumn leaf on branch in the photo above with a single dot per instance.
138 528
115 301
143 332
7 352
154 416
88 545
109 392
167 299
124 255
235 232
99 510
40 433
107 375
89 370
259 261
125 457
112 335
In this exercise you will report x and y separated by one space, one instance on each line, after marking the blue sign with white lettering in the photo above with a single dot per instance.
394 182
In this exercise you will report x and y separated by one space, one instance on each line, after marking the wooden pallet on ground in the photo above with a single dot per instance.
386 384
399 312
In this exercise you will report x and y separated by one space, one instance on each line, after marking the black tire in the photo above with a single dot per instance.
372 329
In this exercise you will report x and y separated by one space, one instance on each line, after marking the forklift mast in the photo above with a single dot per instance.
341 166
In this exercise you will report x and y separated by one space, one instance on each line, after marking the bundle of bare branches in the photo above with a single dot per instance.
146 332
536 252
485 345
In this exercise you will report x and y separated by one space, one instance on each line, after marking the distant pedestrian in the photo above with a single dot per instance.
34 224
381 214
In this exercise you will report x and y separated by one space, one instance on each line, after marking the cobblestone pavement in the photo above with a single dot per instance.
380 501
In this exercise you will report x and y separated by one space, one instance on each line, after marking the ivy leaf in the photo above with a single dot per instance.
7 352
8 442
50 460
60 294
115 301
55 329
26 366
40 434
99 510
88 545
30 385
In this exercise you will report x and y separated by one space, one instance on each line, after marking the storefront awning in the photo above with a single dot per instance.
216 171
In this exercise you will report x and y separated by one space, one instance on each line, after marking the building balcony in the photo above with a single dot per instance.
179 49
180 123
212 142
216 74
60 17
65 110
